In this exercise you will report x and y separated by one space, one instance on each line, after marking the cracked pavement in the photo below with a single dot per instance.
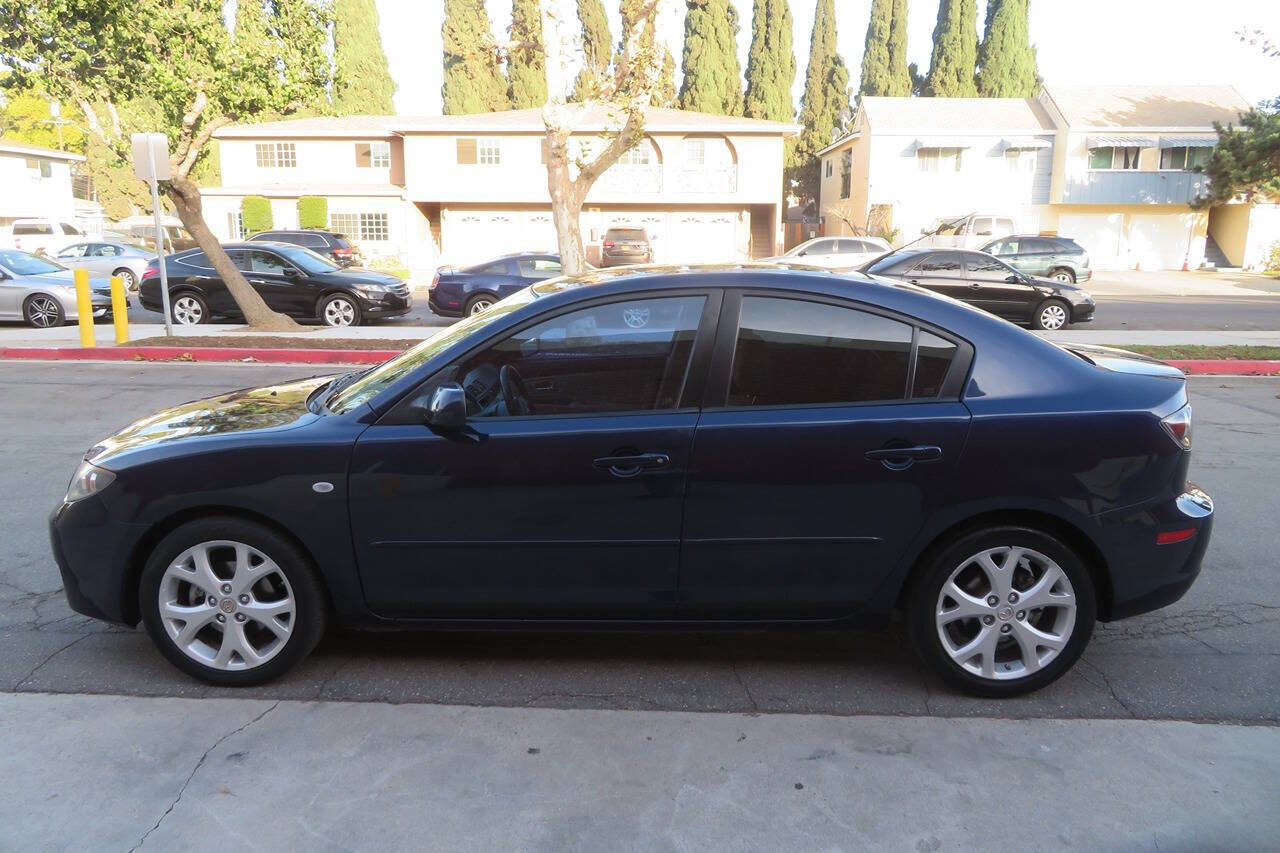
1214 656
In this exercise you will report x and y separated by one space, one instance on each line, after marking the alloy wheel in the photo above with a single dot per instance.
188 311
227 605
1005 613
128 279
1053 316
481 305
43 311
339 312
1063 276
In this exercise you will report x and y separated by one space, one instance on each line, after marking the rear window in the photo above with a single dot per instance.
933 358
312 241
883 265
1071 247
635 234
339 241
195 259
32 228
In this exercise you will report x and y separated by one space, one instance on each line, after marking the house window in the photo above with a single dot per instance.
829 166
1114 158
1019 160
374 227
345 223
489 152
695 152
235 225
638 156
846 172
373 155
276 155
1185 158
939 159
44 167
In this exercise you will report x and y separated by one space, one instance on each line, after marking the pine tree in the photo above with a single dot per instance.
1006 59
771 62
955 51
826 96
597 48
362 84
884 61
472 81
526 74
665 93
712 75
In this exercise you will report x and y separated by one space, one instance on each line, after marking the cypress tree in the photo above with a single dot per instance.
771 62
712 75
955 51
597 46
665 93
884 61
526 74
472 81
1006 59
362 83
826 95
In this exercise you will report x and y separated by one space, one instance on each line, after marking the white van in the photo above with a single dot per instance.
40 236
971 231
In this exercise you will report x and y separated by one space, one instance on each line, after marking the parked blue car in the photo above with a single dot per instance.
459 292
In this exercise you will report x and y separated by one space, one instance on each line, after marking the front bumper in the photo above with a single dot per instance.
95 555
1082 312
391 305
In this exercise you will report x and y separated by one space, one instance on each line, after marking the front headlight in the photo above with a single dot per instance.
88 480
374 291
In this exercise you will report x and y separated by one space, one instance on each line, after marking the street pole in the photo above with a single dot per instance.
164 273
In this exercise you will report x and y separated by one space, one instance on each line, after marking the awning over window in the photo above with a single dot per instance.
1025 142
1188 141
943 142
1122 142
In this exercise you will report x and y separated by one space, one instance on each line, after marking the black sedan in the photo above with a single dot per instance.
718 448
470 290
990 284
290 279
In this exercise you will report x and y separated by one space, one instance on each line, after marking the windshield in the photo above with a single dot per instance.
368 386
21 263
308 260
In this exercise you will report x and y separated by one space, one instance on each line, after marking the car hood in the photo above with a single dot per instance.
66 278
357 275
1123 361
267 409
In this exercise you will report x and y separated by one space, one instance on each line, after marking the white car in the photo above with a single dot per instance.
835 253
40 236
967 231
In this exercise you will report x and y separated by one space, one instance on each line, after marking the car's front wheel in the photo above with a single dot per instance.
1051 314
339 310
42 311
231 602
1001 611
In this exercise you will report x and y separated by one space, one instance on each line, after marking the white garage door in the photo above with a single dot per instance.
1101 234
1159 241
469 237
699 238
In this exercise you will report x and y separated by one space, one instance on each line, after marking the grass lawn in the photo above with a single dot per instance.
1197 351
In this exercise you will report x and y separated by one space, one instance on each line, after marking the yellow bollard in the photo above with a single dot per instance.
84 308
119 310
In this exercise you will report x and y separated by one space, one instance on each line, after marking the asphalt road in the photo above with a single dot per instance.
1179 313
1214 656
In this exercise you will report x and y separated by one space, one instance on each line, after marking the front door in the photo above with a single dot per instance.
287 293
809 483
563 496
996 287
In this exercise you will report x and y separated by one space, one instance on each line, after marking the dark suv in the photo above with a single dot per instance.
1058 258
334 246
625 246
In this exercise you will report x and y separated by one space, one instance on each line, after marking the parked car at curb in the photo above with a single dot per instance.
42 293
720 447
989 283
458 292
108 259
290 279
966 232
621 246
40 236
332 245
835 252
1059 258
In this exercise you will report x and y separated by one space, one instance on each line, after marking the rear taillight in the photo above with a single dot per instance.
1178 425
435 279
344 252
608 244
151 271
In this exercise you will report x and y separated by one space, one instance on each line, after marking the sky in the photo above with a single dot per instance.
1078 42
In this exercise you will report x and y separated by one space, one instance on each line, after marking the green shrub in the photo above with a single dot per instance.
255 210
313 212
1273 259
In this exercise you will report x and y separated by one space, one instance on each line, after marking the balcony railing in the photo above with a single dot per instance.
627 178
1135 187
719 180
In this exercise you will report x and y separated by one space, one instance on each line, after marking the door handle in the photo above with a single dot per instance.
914 281
628 465
973 285
542 384
902 458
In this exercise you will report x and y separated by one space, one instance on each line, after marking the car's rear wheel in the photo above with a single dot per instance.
1051 314
339 310
1001 611
42 311
189 309
479 303
1062 274
127 278
231 602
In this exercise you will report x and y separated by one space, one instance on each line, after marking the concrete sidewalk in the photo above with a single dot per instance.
119 773
1194 283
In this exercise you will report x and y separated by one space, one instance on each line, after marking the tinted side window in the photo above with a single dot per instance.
32 228
312 241
619 357
265 262
196 259
791 352
538 267
933 357
76 251
946 265
987 269
499 268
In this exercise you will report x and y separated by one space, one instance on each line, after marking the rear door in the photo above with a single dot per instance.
942 272
829 433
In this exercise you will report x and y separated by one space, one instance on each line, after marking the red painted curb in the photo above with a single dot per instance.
1227 366
200 354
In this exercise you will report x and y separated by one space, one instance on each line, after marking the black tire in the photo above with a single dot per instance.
925 589
1046 313
128 278
189 308
1067 274
42 311
474 303
351 309
309 620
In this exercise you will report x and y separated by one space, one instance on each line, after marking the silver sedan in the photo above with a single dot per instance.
107 258
43 293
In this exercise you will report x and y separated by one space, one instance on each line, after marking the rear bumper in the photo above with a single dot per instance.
1083 274
623 260
436 302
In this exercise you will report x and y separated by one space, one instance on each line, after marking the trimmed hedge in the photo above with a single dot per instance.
255 210
313 211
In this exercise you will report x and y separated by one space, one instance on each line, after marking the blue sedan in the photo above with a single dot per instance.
458 292
724 447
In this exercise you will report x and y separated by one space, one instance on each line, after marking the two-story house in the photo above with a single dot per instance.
45 183
468 187
1113 167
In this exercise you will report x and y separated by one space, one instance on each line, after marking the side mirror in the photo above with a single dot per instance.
289 272
446 409
1013 279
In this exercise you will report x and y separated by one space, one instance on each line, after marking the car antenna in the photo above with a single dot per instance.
942 223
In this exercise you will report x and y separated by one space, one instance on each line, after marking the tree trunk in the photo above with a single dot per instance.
186 199
566 206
